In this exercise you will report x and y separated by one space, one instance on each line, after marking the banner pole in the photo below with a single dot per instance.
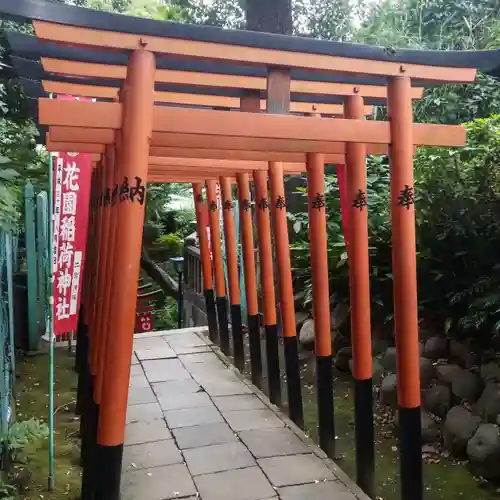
51 332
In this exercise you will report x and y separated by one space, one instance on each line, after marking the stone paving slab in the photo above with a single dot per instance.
146 432
141 395
144 413
218 458
295 469
188 417
239 484
162 370
264 443
197 430
181 401
203 435
158 483
185 386
327 490
246 420
164 352
147 455
238 402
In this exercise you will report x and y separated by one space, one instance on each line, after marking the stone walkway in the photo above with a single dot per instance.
197 430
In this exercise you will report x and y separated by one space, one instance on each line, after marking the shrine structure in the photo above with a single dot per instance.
183 103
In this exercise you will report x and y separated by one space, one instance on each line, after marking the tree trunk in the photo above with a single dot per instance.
271 16
159 276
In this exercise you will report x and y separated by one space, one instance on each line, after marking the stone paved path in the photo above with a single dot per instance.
196 430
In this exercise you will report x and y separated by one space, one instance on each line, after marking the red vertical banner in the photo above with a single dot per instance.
72 172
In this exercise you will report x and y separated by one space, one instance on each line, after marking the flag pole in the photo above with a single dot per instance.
51 478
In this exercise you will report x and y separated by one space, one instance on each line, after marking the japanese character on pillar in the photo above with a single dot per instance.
138 191
107 196
245 204
360 200
280 202
406 197
319 201
124 189
114 194
263 204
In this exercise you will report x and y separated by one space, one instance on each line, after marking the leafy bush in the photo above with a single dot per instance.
7 491
458 230
166 246
23 433
166 317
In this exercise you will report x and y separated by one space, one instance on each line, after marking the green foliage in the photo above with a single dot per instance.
24 433
458 230
7 491
185 221
327 19
166 316
166 246
20 158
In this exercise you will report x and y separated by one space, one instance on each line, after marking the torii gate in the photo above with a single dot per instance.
155 83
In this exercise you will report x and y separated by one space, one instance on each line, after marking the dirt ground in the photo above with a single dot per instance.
32 402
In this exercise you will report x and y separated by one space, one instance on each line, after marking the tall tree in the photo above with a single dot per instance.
272 17
327 19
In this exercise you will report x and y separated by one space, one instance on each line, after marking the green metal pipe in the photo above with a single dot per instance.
51 332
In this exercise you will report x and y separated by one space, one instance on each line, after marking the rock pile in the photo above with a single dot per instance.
460 401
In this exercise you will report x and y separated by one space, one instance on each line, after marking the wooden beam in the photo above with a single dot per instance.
165 164
221 154
181 98
194 170
161 178
246 125
196 154
61 147
201 143
248 55
215 80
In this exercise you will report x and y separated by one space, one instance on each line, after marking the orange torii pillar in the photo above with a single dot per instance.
88 476
215 247
267 286
103 285
206 261
82 346
232 271
90 434
245 209
85 379
285 288
278 101
250 104
359 275
138 102
110 197
321 299
404 270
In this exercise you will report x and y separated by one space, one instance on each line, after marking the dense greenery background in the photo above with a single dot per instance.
457 190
